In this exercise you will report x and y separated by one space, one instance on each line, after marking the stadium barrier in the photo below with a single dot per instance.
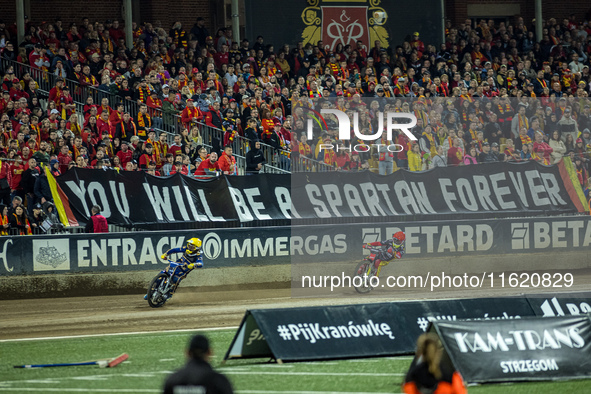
263 255
378 329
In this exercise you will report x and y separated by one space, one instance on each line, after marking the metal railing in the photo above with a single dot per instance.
80 95
162 121
277 161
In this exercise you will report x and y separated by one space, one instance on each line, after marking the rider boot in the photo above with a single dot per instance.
376 265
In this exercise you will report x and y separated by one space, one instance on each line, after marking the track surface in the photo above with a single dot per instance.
193 309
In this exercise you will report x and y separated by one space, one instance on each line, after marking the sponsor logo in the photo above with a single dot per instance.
520 339
212 246
4 257
555 234
112 252
423 322
517 366
51 256
314 332
437 239
553 308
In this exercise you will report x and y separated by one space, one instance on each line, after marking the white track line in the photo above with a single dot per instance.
230 372
306 392
122 333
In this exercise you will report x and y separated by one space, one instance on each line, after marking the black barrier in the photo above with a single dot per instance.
139 199
518 350
320 333
379 329
560 304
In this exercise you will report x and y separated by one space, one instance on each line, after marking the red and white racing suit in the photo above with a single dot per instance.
389 251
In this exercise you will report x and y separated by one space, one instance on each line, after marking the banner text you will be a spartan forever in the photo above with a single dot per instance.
129 198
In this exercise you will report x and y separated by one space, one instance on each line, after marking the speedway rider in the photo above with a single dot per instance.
390 249
190 259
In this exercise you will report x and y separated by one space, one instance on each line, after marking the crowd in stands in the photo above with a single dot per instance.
491 92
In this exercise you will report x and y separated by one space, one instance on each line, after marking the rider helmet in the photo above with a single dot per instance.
398 238
193 245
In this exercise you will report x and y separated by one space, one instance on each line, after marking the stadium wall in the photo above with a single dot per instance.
188 11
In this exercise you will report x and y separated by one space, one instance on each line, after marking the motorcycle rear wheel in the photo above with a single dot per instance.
360 271
155 297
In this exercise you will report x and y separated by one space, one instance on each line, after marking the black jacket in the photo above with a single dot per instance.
254 157
198 373
42 188
28 180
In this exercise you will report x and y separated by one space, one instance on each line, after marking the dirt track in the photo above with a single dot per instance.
190 309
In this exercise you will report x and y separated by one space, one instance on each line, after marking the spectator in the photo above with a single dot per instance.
97 223
42 189
19 223
254 159
567 125
208 167
542 149
455 154
28 180
168 165
36 219
4 220
415 158
470 157
439 160
385 157
510 153
227 162
179 167
197 374
526 152
146 157
487 156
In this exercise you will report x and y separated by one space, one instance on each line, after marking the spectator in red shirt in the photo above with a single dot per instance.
124 154
455 154
147 156
102 123
179 168
208 166
176 147
16 172
221 57
542 148
190 115
64 158
227 162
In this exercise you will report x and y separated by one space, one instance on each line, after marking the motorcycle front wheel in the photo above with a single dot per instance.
362 270
155 296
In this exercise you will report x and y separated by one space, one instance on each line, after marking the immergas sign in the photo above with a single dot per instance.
345 130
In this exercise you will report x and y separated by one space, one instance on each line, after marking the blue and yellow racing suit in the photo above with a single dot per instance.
189 260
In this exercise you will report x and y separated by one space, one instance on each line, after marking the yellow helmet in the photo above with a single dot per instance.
194 244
